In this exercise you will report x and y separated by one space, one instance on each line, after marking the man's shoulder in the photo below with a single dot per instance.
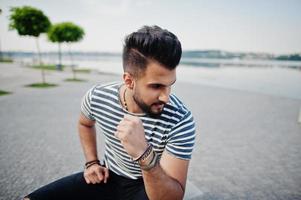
106 86
176 104
176 108
101 88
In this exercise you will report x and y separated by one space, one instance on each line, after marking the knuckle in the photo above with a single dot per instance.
131 123
119 126
123 139
121 136
116 134
89 178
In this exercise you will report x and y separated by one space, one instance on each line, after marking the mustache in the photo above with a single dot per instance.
159 103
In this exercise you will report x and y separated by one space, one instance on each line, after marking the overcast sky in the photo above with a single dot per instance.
272 26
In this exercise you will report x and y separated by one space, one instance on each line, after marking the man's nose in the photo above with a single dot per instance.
164 95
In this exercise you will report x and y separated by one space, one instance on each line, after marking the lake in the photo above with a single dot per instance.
280 78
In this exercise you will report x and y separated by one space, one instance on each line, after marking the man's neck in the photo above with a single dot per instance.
128 101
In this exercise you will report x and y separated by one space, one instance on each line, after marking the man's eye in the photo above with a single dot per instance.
156 86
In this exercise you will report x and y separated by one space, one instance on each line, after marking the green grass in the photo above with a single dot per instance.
83 70
46 67
74 80
2 92
41 85
54 67
6 60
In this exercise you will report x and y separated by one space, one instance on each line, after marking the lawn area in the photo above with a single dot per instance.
74 80
82 70
41 85
46 67
6 60
2 92
54 67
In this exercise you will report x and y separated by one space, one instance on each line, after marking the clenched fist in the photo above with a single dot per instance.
96 174
130 132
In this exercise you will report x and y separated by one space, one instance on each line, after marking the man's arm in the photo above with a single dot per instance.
167 179
87 134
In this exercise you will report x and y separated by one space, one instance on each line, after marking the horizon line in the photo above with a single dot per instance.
120 52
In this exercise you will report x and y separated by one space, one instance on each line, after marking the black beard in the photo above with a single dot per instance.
147 109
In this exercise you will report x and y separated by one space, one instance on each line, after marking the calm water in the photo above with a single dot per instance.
281 78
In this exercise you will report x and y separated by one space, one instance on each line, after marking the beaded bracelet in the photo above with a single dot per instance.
86 167
145 154
151 164
90 163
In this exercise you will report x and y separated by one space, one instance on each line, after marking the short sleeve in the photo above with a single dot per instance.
181 138
86 104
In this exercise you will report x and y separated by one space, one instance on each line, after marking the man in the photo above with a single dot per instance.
149 134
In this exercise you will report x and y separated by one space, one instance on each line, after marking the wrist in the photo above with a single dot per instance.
91 157
144 154
148 160
92 162
151 162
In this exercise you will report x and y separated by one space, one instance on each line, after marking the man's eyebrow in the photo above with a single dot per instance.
173 82
163 84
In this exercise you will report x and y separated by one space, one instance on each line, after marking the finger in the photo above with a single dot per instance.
89 176
92 179
96 176
99 175
87 180
122 125
95 179
106 174
122 128
116 134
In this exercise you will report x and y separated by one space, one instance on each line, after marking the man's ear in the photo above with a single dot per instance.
128 80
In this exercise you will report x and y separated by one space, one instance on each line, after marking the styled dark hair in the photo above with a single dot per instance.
150 43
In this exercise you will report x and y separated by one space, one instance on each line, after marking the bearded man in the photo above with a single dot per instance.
149 133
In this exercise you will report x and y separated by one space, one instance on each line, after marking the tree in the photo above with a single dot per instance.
65 32
30 21
0 41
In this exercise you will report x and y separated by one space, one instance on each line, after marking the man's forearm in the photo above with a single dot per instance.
159 185
87 136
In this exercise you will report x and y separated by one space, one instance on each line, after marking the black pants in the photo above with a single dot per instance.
75 187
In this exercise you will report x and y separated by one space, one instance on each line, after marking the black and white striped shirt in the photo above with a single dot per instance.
173 130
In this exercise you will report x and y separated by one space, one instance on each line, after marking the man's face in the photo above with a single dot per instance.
151 90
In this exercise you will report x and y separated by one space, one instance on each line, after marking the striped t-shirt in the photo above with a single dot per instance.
173 130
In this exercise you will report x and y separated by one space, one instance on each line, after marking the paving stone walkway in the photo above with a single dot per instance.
248 145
